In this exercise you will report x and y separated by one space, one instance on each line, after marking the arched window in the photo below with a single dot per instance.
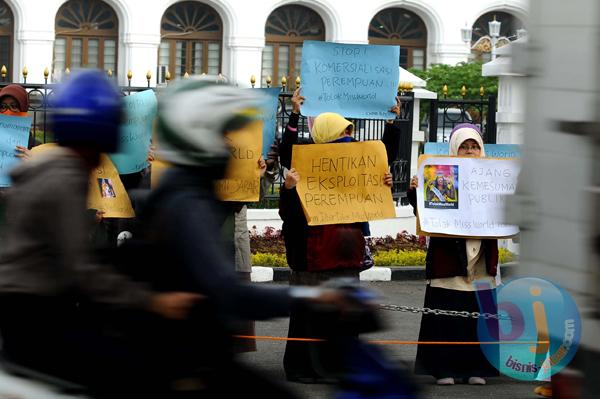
404 28
191 39
480 39
286 29
6 36
87 33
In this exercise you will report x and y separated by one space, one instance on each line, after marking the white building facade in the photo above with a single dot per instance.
238 38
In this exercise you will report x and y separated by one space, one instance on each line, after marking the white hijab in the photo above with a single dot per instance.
463 134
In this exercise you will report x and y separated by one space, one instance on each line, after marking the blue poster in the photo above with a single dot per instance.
270 105
136 132
14 131
354 80
491 150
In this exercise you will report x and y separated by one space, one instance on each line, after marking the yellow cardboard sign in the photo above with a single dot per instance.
105 190
39 149
158 169
343 182
242 177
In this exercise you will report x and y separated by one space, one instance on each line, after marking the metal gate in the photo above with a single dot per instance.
446 113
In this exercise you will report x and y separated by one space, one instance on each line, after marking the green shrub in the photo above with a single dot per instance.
399 258
455 76
272 260
381 258
505 256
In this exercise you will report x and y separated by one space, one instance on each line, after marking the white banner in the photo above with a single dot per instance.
465 196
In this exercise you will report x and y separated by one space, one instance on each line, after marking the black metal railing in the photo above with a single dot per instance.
365 129
39 95
445 113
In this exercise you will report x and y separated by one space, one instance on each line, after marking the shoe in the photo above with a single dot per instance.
445 381
544 390
476 381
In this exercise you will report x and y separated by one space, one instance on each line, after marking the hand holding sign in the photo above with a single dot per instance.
297 101
291 179
23 152
388 180
262 166
414 182
396 109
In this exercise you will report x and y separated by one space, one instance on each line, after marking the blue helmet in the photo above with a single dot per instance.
87 111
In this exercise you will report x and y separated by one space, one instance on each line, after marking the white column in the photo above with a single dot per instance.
510 117
245 60
36 54
141 55
418 136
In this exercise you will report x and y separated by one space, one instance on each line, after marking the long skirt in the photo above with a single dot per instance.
245 327
310 359
456 361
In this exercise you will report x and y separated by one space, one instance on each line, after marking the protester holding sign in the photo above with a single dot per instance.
241 237
457 271
316 253
235 232
15 101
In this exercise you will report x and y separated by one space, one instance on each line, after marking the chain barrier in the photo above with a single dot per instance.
442 312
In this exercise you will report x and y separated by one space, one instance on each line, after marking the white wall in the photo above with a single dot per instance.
244 24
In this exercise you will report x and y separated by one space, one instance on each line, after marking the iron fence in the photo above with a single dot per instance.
39 95
365 129
445 113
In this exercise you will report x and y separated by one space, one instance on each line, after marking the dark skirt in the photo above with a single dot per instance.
311 359
456 361
245 327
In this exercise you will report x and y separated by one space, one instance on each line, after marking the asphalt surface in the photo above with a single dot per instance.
400 326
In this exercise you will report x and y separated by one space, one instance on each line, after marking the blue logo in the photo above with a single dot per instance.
538 331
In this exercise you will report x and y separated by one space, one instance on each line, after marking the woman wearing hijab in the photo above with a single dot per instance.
316 254
452 267
14 101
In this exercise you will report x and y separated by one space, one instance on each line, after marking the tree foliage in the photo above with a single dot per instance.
464 73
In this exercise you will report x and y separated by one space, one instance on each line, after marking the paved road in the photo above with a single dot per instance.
401 326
